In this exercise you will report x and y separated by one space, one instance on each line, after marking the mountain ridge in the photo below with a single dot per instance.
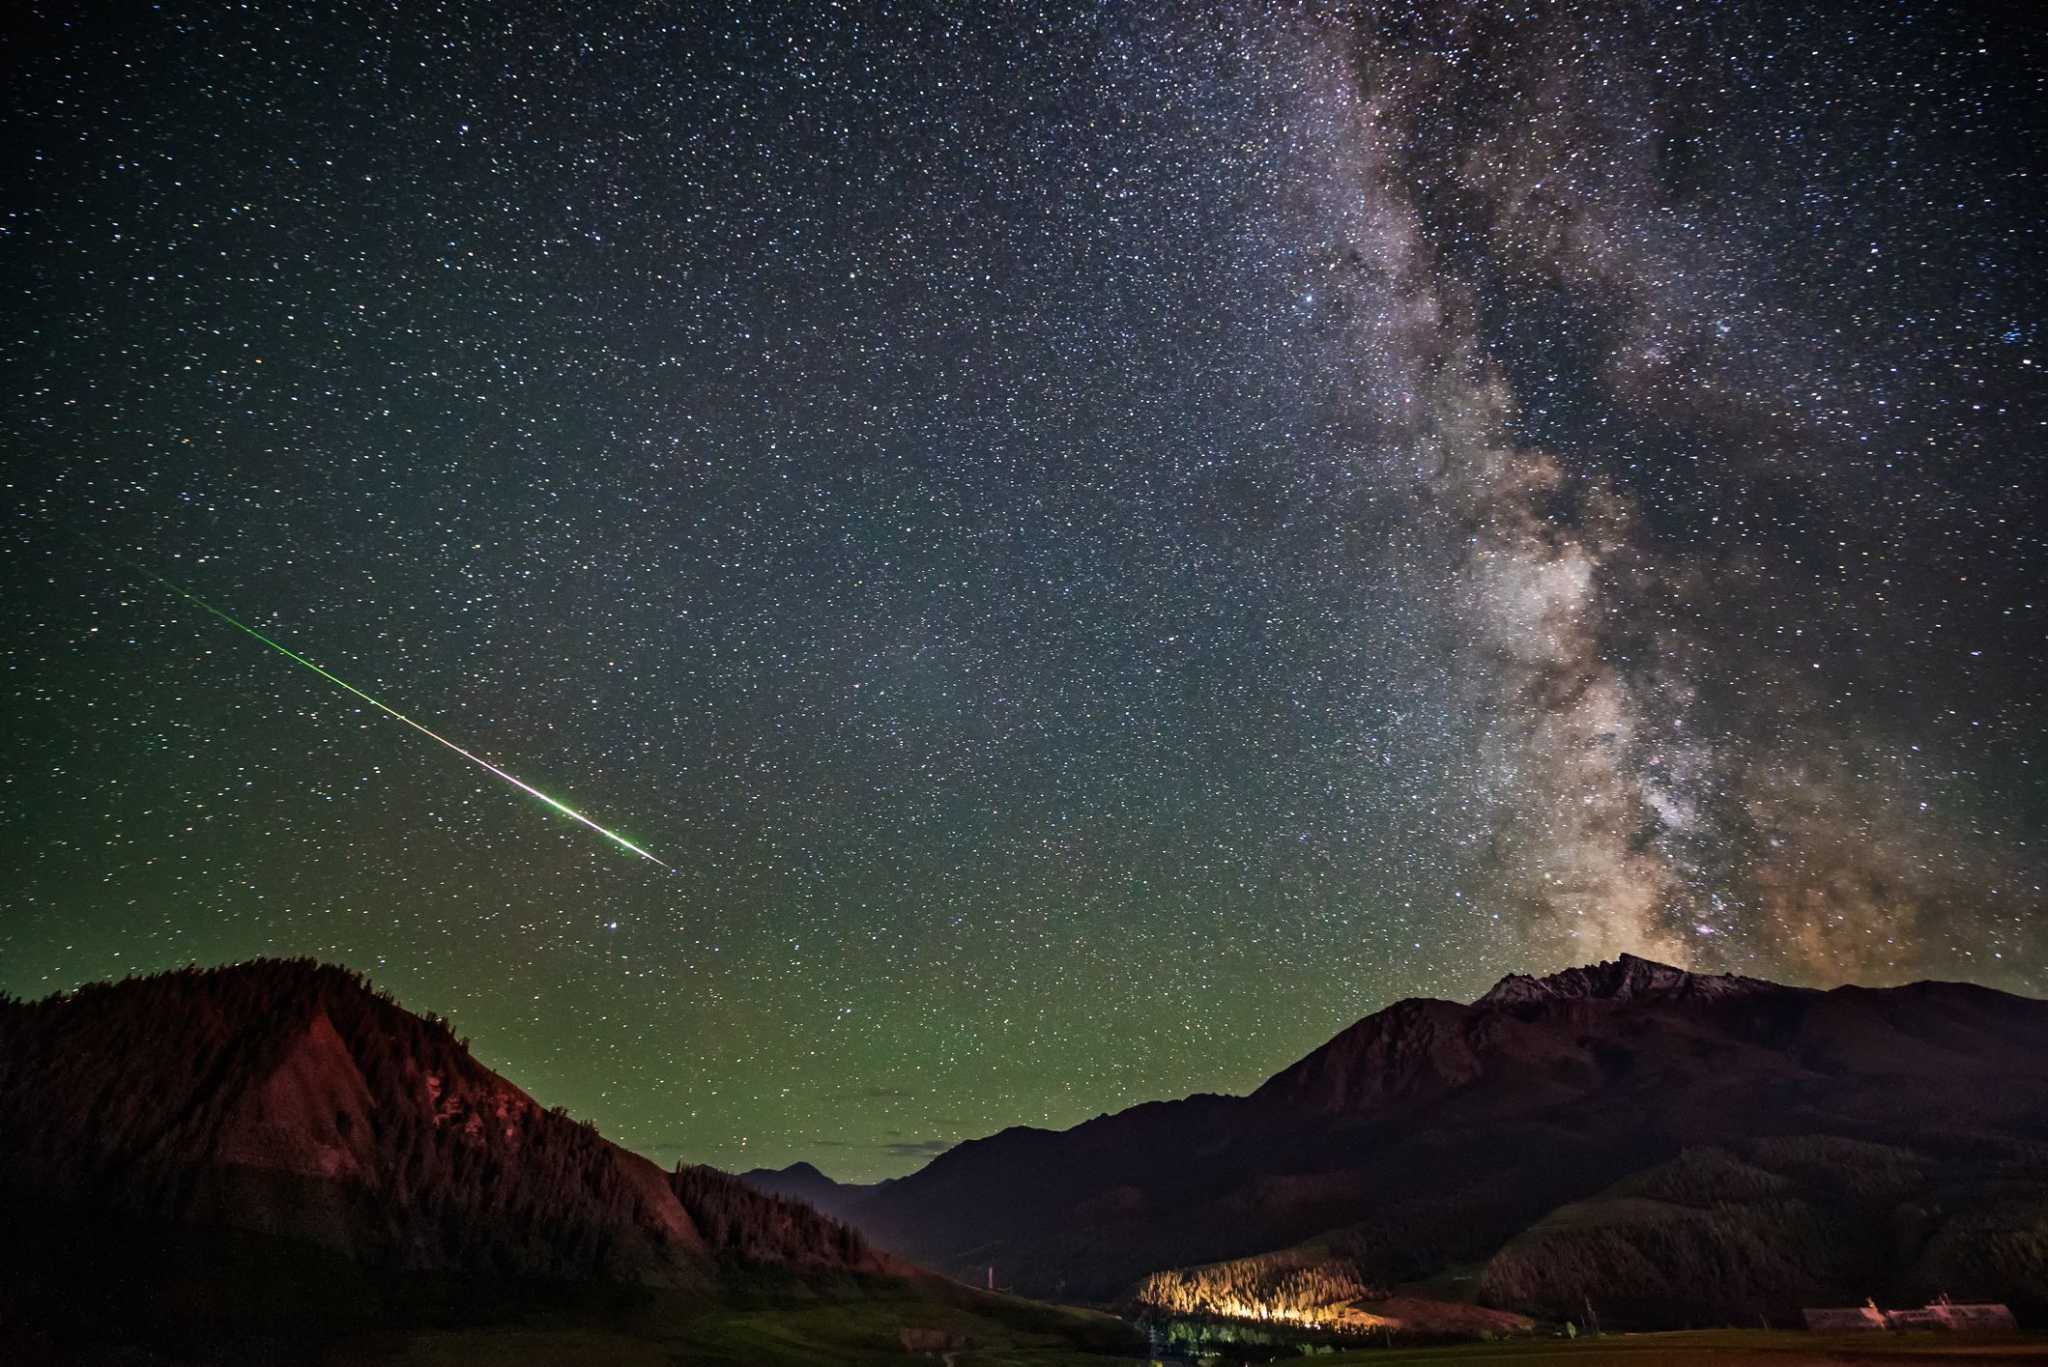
1624 978
1432 1133
289 1098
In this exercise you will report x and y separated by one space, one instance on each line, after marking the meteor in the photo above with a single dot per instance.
393 712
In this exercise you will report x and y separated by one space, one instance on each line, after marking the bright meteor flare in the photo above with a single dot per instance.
297 658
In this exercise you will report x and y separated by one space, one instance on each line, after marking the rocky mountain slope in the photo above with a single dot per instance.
1686 1148
289 1099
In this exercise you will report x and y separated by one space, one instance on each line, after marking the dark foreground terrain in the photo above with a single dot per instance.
128 1294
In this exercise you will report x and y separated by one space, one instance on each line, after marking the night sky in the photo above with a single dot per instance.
1101 543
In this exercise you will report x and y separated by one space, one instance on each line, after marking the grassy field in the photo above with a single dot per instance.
129 1293
999 1332
1721 1348
828 1336
97 1289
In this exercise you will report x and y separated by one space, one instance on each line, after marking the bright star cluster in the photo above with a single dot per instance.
1100 542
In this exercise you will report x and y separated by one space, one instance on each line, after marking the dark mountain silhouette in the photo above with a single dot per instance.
289 1099
803 1182
274 1162
1680 1147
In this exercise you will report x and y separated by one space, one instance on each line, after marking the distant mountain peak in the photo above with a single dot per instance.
1624 979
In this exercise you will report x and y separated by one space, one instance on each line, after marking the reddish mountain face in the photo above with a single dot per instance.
1434 1135
289 1099
1626 979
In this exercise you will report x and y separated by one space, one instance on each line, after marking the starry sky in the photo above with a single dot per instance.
1100 542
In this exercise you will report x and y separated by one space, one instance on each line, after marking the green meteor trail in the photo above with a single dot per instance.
297 658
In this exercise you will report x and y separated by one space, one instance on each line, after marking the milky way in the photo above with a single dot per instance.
1103 543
